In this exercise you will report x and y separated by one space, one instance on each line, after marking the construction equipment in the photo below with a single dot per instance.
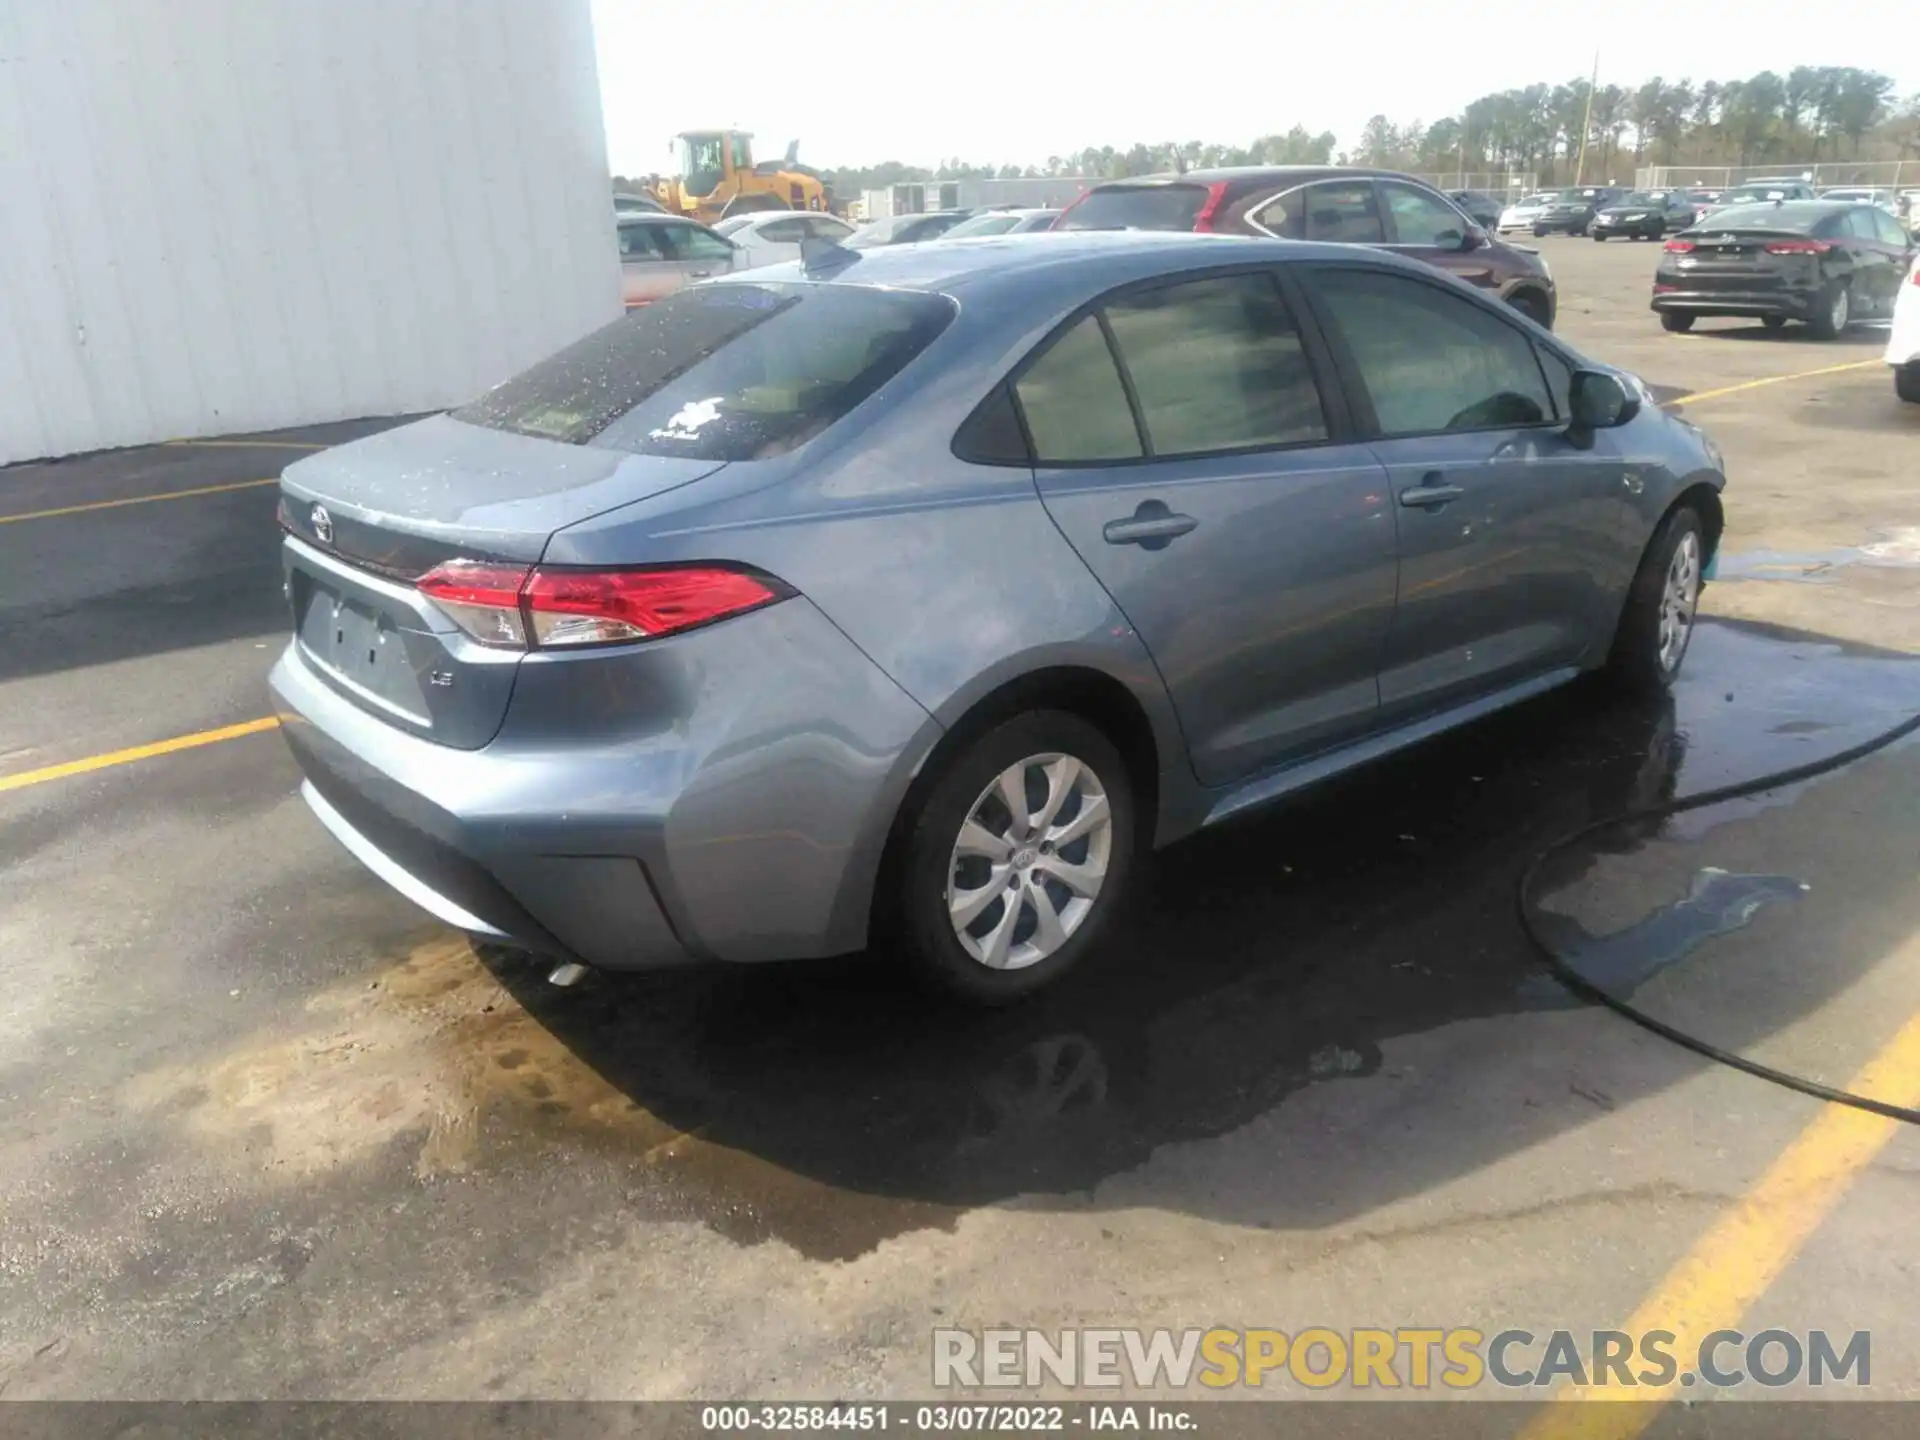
716 178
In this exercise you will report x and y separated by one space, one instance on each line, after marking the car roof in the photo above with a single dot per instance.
1230 173
650 217
1088 260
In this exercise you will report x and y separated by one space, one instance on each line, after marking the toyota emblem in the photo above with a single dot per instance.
322 525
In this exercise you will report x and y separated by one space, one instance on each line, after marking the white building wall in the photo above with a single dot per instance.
233 215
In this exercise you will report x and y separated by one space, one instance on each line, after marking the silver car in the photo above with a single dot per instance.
660 254
907 601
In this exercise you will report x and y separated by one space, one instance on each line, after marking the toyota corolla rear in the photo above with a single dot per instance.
582 759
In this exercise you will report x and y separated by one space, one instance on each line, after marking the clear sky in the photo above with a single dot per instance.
860 81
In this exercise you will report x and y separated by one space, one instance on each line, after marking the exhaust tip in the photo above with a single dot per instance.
567 975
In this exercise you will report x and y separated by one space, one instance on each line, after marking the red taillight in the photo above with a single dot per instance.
596 607
514 606
482 599
1914 278
1679 247
1798 247
1216 194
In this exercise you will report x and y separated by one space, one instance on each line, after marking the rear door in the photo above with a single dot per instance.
647 271
1186 450
1425 227
1514 544
698 252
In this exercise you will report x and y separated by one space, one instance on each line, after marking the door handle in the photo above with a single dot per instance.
1431 493
1152 527
700 274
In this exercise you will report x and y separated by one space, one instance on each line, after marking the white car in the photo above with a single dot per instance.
1903 345
1522 213
770 236
1864 195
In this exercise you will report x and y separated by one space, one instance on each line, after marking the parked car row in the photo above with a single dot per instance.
1350 206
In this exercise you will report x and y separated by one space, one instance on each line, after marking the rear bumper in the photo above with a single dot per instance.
723 795
1793 304
1903 341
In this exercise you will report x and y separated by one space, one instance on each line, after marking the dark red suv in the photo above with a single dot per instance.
1325 203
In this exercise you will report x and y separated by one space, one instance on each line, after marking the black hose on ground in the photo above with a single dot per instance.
1564 972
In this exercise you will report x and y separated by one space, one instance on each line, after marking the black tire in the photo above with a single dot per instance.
1906 382
1832 312
1538 233
1774 322
1598 238
1532 307
1635 664
1677 321
1658 232
920 920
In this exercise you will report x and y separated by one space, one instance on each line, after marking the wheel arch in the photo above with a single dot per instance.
1095 695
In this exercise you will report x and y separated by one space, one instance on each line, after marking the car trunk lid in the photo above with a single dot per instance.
365 521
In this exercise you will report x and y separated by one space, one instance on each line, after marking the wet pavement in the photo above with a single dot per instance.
270 1132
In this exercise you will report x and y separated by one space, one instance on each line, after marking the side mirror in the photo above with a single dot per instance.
1474 239
1599 401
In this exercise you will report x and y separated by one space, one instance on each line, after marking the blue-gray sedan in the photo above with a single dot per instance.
911 594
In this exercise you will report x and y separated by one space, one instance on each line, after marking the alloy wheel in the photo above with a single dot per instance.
1679 598
1030 861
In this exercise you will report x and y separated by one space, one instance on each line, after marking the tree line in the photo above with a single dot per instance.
1810 113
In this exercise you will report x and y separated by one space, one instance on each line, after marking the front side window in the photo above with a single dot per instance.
1344 213
719 372
1432 361
1422 219
1075 406
1889 229
1217 364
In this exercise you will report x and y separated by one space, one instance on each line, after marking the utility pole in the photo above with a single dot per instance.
1586 125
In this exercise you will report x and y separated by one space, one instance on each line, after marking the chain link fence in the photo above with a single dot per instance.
1501 185
1892 174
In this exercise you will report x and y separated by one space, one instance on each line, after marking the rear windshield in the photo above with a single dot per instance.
1136 207
1770 216
719 372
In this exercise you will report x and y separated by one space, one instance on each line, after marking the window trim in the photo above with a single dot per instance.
1366 418
1372 182
1342 427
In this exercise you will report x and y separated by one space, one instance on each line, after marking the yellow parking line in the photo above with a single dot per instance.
248 444
134 500
1699 395
138 752
1735 1262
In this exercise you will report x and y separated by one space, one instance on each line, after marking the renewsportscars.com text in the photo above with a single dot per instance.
1410 1358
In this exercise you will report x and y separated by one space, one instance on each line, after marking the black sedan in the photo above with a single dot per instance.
1573 210
1482 209
1644 215
1825 262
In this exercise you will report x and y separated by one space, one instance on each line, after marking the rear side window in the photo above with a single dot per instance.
1432 361
1860 222
1075 406
1345 213
784 232
1137 207
719 372
641 242
1217 364
1889 229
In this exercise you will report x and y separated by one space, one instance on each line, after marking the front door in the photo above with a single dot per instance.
1512 538
1185 451
1426 228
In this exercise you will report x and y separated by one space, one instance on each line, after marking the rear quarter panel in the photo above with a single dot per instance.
950 576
